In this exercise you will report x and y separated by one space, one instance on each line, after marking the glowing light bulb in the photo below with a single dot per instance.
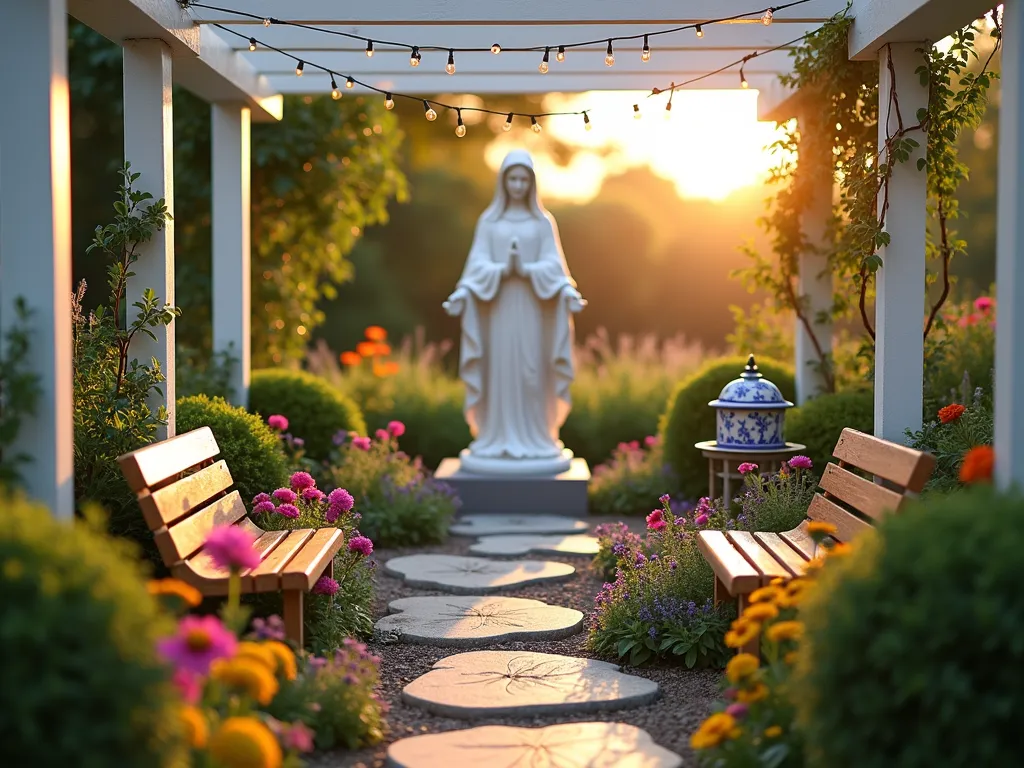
645 54
350 83
586 122
508 123
299 67
369 49
560 56
266 22
460 129
428 112
637 114
389 103
414 57
450 66
495 49
769 14
743 82
252 43
543 68
700 31
335 93
609 57
534 125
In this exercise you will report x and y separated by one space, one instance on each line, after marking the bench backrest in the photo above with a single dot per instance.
873 477
183 492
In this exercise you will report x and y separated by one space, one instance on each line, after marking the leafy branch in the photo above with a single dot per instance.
19 393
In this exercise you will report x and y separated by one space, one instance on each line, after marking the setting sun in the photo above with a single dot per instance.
711 146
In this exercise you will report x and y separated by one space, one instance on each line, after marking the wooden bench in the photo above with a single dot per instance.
183 493
744 561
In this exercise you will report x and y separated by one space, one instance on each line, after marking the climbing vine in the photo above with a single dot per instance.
839 118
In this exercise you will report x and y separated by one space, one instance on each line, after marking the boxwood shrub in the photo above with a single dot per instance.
819 422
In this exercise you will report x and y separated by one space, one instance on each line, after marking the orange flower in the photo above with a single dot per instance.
385 369
351 358
366 348
383 350
376 333
977 465
951 413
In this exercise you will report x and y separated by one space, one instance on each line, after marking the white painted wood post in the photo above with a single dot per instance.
148 146
1009 378
232 240
900 303
35 232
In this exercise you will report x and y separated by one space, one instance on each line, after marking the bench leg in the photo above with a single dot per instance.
754 646
721 593
293 617
329 570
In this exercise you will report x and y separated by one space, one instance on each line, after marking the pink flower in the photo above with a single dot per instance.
800 462
746 467
286 495
289 510
313 494
361 545
983 304
700 520
199 641
231 547
362 443
341 498
738 710
298 737
301 481
189 685
650 441
634 445
656 520
259 498
263 508
326 586
664 498
278 422
383 435
396 428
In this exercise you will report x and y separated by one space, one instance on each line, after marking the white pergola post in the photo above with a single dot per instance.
231 240
148 132
35 233
900 301
1009 411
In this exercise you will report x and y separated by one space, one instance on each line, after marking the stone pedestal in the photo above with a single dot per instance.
562 494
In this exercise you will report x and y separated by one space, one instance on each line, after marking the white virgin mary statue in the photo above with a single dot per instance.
516 299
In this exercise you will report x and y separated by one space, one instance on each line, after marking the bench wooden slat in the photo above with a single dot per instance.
267 577
755 554
789 558
148 467
800 540
866 497
847 526
735 573
187 536
174 501
898 464
304 569
205 575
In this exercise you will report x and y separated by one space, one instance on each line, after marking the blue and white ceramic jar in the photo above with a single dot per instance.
751 413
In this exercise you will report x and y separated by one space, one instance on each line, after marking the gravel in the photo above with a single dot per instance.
685 700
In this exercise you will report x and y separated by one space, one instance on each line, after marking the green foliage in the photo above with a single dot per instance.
961 348
329 620
689 419
19 393
205 374
819 422
252 451
778 502
112 390
87 688
949 442
626 483
613 538
921 625
315 410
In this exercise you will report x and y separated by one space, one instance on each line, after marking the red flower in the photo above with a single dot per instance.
978 464
656 520
951 412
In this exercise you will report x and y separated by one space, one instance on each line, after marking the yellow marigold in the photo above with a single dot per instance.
750 695
814 564
839 548
778 581
785 630
742 632
257 652
760 612
793 593
246 674
820 528
713 731
175 588
284 657
245 742
193 722
764 594
741 666
772 731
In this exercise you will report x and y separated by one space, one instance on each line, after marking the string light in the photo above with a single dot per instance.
637 114
428 112
450 66
560 56
266 22
460 129
495 49
389 103
350 83
769 14
335 93
299 67
586 122
534 125
543 68
668 104
743 78
369 49
609 57
414 57
508 122
645 54
252 44
700 31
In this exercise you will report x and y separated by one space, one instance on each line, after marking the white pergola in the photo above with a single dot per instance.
207 51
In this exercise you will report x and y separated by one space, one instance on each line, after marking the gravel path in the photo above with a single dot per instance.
685 700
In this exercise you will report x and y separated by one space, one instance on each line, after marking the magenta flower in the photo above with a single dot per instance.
199 641
700 519
313 494
650 441
301 481
800 462
342 499
362 443
289 510
189 685
286 495
396 428
232 547
259 498
383 435
298 737
983 303
664 498
656 521
737 709
263 508
278 422
361 545
746 467
326 586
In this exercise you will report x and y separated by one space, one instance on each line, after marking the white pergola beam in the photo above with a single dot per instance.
148 146
879 22
232 241
1009 410
35 234
120 20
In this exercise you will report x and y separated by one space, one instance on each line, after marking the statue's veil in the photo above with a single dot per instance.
497 207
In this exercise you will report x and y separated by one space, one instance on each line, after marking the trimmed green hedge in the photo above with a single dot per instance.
819 422
315 410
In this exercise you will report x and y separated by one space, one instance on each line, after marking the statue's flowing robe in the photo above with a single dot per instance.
517 340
